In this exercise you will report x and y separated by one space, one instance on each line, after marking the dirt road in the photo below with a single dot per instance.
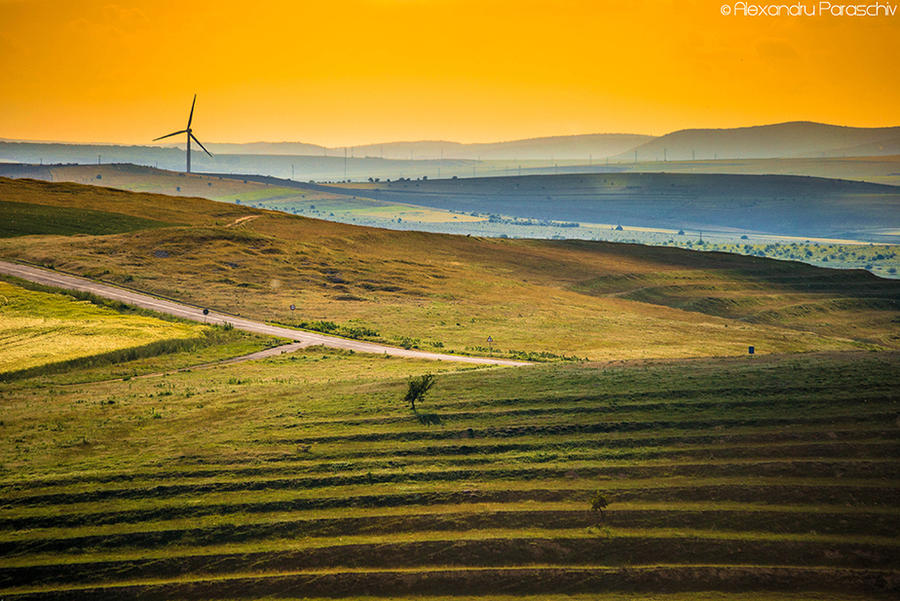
145 301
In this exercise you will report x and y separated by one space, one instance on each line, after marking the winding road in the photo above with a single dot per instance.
161 305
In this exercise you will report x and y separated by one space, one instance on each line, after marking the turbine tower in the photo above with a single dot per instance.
190 134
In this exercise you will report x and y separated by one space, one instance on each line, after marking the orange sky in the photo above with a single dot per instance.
342 72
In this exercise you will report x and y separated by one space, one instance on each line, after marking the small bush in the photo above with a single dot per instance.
417 388
598 504
429 419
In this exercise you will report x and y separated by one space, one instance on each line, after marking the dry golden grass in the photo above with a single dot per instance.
593 299
37 328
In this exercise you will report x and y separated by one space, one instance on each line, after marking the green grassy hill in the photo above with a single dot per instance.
304 476
40 328
538 299
765 478
45 331
22 219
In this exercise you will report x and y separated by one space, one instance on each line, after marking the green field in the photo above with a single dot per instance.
84 338
772 476
23 219
305 475
40 328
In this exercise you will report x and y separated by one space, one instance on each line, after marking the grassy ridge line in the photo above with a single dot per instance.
487 581
26 219
453 412
719 453
882 469
660 519
543 418
366 519
594 428
775 491
617 448
631 441
562 449
487 548
867 525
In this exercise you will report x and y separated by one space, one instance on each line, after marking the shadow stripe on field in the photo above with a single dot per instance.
496 582
757 520
801 494
885 469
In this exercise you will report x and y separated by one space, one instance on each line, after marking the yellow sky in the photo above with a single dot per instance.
342 72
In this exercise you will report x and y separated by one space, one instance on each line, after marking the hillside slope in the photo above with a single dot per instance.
305 477
534 298
776 204
793 139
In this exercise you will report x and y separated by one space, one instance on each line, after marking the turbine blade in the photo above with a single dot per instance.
170 135
193 137
191 116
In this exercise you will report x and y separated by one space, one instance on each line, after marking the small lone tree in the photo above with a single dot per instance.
417 389
598 504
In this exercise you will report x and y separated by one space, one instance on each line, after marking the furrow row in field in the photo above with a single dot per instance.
831 444
489 553
785 405
554 424
880 418
493 581
779 491
548 453
720 395
817 468
861 523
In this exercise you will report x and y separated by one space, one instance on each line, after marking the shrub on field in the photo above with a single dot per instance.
598 504
417 388
430 419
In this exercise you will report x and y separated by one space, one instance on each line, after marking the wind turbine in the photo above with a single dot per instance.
190 134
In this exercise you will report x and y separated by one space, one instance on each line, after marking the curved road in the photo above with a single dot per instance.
145 301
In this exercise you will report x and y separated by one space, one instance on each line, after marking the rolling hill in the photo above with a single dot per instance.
417 158
551 147
788 205
721 477
305 477
793 139
578 147
533 297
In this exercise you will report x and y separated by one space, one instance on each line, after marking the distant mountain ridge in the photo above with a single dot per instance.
780 140
559 147
795 139
582 146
